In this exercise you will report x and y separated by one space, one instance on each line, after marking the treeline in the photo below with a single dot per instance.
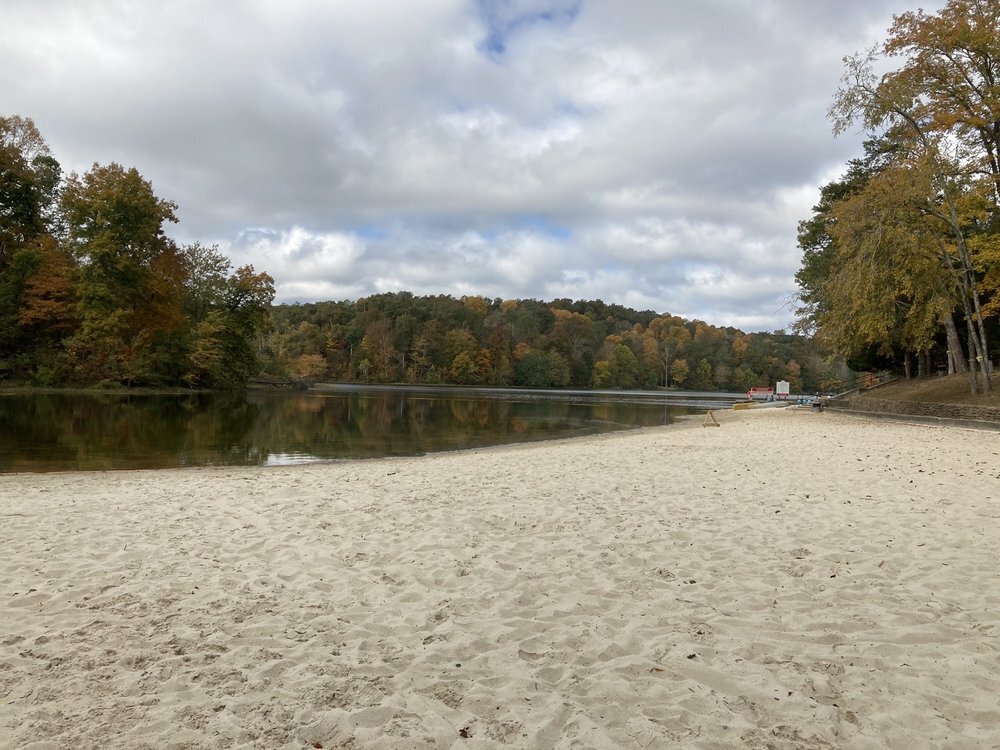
92 290
399 337
901 261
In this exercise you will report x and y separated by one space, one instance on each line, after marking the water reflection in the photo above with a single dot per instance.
60 432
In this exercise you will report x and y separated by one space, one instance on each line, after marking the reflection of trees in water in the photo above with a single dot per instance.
218 429
295 424
616 413
116 431
28 422
61 431
377 414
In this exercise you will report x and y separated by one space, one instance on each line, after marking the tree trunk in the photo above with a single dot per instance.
972 289
956 354
961 280
972 357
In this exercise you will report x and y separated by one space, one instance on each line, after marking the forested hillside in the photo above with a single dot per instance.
93 291
398 337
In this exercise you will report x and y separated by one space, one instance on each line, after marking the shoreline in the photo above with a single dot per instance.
790 579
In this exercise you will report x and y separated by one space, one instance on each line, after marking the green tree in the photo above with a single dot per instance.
742 380
624 367
247 308
29 179
207 274
542 369
224 345
702 379
206 358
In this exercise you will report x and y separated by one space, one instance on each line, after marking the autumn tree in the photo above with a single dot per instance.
601 374
446 342
459 342
679 371
423 355
878 271
951 63
48 300
571 337
131 276
310 367
941 106
497 346
379 346
675 342
29 180
651 362
92 289
464 369
819 252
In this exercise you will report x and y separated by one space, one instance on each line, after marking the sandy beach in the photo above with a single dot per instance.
788 579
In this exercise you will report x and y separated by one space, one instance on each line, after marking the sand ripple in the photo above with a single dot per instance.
789 580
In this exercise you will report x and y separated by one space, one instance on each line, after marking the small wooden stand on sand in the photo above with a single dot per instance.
710 420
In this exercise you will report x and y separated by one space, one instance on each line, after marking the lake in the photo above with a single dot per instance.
43 432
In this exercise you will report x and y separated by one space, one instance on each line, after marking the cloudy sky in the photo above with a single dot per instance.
653 153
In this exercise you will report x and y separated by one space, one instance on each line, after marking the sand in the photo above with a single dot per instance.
789 579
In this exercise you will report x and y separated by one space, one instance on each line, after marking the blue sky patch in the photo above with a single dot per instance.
505 18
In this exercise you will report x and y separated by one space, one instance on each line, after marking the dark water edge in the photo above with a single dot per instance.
49 432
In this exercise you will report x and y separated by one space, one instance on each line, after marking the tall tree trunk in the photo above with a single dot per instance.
972 357
972 290
956 354
962 282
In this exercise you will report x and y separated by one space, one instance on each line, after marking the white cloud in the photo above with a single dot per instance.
657 155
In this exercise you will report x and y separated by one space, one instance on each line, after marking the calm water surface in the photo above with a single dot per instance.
67 432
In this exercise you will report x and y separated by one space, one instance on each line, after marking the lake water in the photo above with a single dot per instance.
69 432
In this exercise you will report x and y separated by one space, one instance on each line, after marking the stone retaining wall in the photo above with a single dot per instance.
857 402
